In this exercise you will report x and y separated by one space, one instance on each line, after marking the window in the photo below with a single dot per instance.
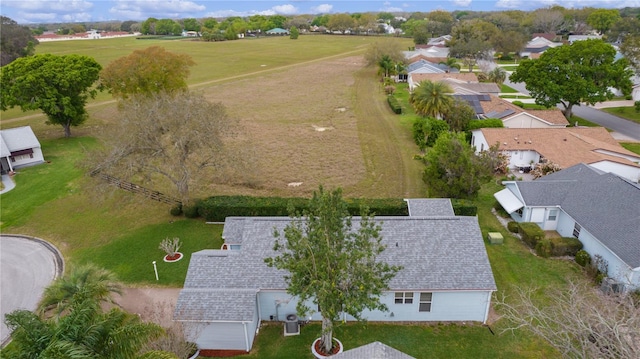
576 230
553 215
404 297
520 211
425 302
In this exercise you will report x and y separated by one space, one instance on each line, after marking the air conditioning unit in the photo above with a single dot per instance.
291 325
611 286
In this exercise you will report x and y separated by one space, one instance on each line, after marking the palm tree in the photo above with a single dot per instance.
87 280
451 63
386 65
431 98
497 75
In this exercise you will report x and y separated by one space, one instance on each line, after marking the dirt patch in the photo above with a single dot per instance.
142 300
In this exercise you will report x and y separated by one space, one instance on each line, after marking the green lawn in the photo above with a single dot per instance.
631 146
629 113
507 89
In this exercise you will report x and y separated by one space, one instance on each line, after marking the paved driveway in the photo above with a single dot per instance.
27 266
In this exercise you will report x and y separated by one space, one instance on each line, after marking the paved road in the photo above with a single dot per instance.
27 266
623 126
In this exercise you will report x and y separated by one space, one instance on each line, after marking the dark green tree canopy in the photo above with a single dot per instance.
332 261
453 170
15 41
583 72
57 85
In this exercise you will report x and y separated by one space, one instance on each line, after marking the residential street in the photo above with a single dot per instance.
622 126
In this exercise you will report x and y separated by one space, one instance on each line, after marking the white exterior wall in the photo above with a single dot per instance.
618 270
628 172
445 306
523 120
478 141
26 160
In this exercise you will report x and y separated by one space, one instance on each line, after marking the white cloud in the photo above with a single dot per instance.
142 9
392 9
322 9
462 3
585 3
287 9
46 7
508 4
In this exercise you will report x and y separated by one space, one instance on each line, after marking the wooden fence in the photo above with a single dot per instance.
132 187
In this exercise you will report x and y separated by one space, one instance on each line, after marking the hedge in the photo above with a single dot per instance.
531 233
463 208
486 123
565 246
216 209
394 104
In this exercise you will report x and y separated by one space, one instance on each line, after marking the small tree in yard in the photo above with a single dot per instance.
170 246
331 262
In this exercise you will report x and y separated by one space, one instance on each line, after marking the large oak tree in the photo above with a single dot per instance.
57 85
15 41
147 71
583 72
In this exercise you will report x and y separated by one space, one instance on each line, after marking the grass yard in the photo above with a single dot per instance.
629 113
631 146
507 89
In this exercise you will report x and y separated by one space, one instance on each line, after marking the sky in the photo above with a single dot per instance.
52 11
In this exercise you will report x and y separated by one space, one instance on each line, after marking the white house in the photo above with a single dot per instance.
19 147
601 209
536 46
446 276
488 105
565 147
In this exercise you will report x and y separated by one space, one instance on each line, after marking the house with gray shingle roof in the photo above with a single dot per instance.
19 147
601 209
446 276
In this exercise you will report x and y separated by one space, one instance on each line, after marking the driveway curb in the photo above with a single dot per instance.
56 253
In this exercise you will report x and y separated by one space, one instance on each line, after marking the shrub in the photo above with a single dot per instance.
394 104
486 123
565 246
176 210
518 103
543 248
531 233
512 227
628 97
637 106
191 211
583 258
389 90
464 208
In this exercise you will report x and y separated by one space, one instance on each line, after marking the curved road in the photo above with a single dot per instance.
604 119
27 266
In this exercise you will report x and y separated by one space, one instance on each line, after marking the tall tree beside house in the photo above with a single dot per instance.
458 115
386 47
15 41
59 86
453 170
176 137
332 262
294 33
431 99
145 72
451 63
583 72
630 48
603 19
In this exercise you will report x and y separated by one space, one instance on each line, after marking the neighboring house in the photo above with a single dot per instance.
277 31
565 147
19 147
536 46
434 54
438 41
574 38
416 77
601 209
512 116
375 350
446 276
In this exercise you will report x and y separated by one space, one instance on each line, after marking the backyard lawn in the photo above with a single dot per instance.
629 113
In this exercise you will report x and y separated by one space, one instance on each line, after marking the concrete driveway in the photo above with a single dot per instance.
27 266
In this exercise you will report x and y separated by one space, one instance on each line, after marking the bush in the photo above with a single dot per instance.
637 106
628 97
512 227
543 248
531 233
176 210
464 208
518 103
565 246
191 211
583 258
394 104
216 209
487 123
389 90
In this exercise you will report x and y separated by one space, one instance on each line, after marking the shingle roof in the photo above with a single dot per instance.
563 146
464 76
211 305
437 253
17 139
605 205
423 207
375 350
